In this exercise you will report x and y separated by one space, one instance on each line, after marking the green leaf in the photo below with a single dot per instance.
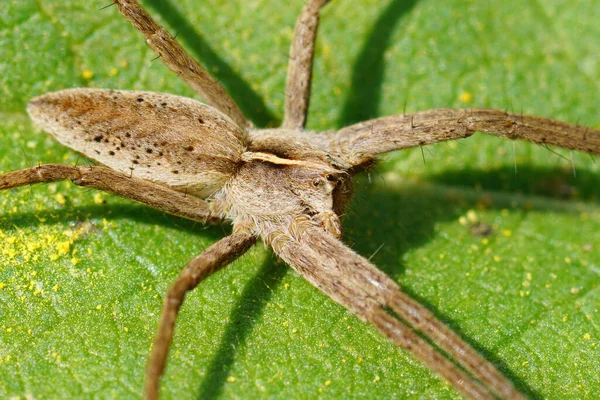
82 273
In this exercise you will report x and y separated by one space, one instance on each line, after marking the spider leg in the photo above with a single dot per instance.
146 192
297 91
211 260
178 61
358 144
359 286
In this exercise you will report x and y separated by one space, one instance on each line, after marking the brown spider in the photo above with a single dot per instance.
285 186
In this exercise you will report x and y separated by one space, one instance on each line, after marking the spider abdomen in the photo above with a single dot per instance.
164 138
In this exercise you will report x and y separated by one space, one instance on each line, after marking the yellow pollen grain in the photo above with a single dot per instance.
497 259
231 379
507 232
2 285
126 329
327 383
87 74
465 97
60 198
8 330
99 307
98 198
568 260
376 379
63 247
587 336
472 216
574 290
113 71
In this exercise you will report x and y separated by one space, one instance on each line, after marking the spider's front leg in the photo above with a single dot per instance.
299 76
352 281
358 144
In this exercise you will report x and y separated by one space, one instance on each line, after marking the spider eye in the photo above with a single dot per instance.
317 182
331 178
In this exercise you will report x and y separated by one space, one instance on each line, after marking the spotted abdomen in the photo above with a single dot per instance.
164 138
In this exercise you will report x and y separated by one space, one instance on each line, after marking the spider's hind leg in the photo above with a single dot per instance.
178 61
212 259
149 193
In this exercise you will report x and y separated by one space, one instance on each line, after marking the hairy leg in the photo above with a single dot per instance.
297 92
359 143
178 61
149 193
211 260
359 286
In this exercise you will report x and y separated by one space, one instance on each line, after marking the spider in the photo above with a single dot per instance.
319 180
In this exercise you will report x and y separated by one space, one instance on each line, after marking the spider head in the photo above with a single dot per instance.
267 189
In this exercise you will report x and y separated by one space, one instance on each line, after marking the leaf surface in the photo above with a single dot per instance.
82 273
